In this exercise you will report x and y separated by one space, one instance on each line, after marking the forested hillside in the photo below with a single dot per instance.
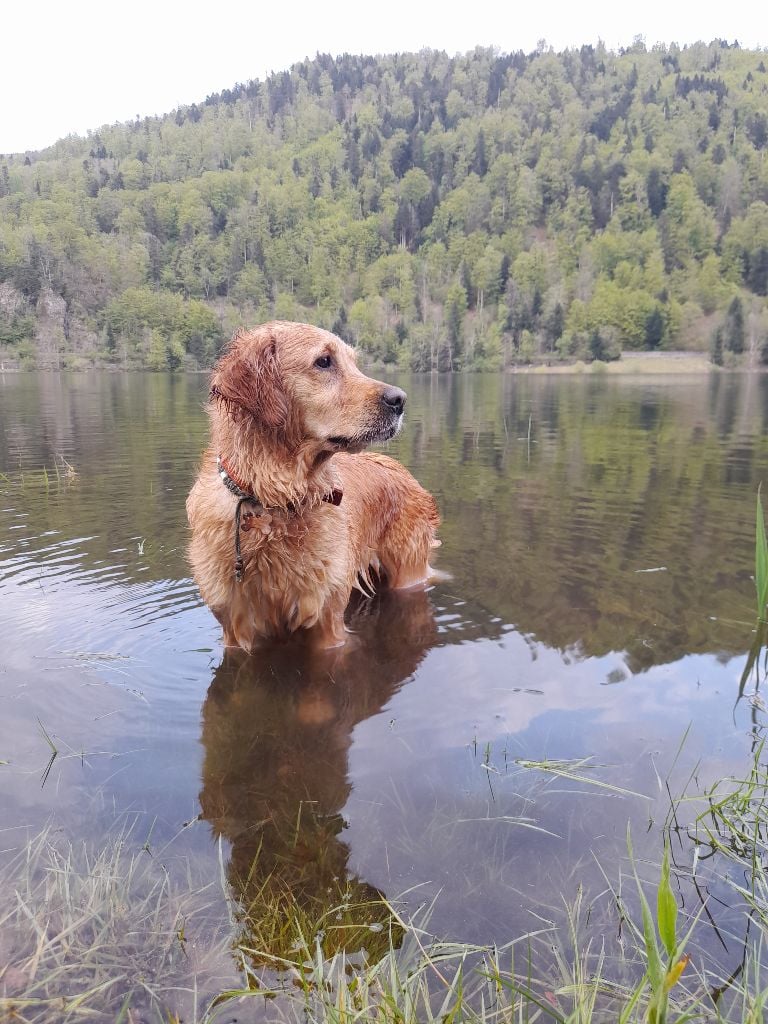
439 212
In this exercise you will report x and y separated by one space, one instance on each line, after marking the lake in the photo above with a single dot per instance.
481 747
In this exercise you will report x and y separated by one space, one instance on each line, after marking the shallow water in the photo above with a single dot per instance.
599 538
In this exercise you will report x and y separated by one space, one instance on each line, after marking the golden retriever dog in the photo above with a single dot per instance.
288 513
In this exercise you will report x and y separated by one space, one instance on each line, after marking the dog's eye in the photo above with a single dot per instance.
323 362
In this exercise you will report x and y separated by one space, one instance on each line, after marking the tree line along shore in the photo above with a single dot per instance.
483 211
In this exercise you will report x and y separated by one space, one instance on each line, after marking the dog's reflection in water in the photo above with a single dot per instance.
277 728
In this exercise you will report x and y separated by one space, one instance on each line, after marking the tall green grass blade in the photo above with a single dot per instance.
52 758
626 1013
572 770
753 656
527 993
123 1014
655 968
666 907
761 558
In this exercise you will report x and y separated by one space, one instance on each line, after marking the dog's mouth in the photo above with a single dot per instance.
357 442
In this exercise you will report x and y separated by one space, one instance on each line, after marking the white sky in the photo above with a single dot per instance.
72 65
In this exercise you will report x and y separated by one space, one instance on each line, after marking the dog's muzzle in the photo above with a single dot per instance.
386 425
393 400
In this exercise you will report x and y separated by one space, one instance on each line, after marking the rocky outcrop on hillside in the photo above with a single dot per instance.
51 330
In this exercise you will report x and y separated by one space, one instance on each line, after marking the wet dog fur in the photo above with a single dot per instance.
290 415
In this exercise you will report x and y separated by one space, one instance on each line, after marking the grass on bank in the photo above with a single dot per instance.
563 974
632 364
100 935
110 937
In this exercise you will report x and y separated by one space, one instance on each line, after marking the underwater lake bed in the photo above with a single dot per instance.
475 754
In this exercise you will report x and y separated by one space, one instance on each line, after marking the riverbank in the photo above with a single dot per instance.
639 363
635 363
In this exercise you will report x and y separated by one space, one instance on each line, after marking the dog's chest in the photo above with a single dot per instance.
291 567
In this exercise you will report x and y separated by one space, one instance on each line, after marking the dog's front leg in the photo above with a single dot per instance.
330 630
237 625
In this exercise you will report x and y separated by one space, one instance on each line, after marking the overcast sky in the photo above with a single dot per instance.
72 65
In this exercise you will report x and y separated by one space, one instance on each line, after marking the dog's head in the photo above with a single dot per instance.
302 384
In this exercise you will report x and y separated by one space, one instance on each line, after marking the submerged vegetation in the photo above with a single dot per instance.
441 213
91 933
110 935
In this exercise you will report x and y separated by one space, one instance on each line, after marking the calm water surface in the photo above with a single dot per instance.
599 536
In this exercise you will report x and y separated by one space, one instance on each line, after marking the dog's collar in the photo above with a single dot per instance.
232 483
245 496
239 489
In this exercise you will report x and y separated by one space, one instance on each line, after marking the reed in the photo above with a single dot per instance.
757 656
761 558
54 754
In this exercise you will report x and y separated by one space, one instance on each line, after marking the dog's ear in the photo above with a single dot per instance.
247 379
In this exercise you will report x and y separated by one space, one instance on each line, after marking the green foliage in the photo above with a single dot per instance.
716 350
15 328
465 212
745 248
734 327
162 327
455 308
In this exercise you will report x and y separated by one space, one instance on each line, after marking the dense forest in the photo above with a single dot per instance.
440 213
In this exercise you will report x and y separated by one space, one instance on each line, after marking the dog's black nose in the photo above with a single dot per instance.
394 399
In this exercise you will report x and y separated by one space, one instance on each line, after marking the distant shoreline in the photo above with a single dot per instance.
630 364
637 363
